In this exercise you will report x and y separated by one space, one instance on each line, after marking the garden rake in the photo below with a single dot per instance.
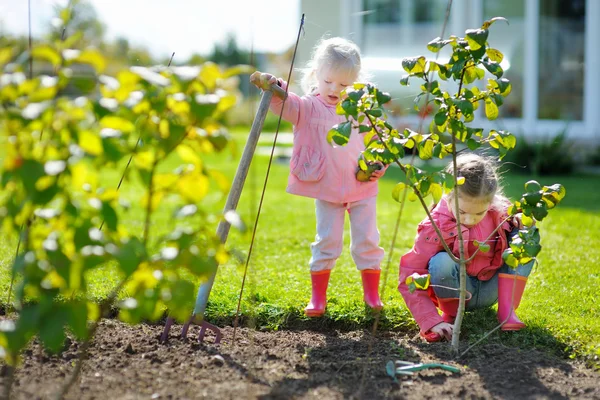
223 227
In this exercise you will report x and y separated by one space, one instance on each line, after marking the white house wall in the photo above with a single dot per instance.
344 18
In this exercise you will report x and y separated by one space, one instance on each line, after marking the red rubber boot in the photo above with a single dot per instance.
449 307
370 281
506 309
318 299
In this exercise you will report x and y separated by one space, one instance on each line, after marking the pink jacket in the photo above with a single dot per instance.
427 244
318 169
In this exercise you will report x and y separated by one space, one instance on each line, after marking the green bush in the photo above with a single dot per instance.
594 157
540 157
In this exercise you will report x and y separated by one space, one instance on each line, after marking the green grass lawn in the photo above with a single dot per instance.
560 304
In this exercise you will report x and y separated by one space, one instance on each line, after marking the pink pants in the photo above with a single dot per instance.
329 241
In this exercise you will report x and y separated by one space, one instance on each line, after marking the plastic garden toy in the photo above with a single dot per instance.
394 368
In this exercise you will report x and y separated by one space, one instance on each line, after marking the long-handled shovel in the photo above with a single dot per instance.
223 228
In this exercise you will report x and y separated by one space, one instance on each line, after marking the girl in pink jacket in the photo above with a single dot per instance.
327 172
482 208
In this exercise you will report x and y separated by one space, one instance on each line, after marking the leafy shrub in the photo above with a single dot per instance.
542 156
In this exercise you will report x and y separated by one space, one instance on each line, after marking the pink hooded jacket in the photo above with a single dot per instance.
318 169
427 244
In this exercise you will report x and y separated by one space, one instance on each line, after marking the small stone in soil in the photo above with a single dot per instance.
218 360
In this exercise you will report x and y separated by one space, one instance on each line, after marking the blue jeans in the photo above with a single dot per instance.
445 272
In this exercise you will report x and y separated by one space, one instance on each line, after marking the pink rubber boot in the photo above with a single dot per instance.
318 299
370 280
505 294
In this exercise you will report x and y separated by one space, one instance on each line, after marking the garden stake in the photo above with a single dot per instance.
223 228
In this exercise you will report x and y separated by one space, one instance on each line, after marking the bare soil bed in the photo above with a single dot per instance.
129 363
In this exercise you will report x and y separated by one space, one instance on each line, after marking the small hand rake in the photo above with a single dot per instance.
223 228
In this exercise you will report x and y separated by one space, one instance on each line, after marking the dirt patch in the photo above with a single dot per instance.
129 363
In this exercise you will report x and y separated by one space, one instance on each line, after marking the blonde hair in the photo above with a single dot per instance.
481 179
336 53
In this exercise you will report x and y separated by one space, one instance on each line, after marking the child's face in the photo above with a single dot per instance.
471 209
332 82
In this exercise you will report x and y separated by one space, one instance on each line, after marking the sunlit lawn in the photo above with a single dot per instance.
560 304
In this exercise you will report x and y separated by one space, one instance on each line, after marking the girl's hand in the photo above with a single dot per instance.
443 329
378 173
262 80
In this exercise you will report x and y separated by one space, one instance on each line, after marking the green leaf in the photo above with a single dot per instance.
477 54
553 195
533 198
476 38
465 106
473 144
504 86
437 149
494 68
350 108
354 95
376 112
404 80
436 44
414 65
383 97
203 106
540 211
509 258
484 247
489 22
77 318
181 300
420 282
340 133
130 255
110 216
52 332
440 118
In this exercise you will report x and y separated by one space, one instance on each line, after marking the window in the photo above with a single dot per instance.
394 27
561 59
509 39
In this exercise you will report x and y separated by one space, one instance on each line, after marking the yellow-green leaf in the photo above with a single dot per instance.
117 123
90 142
238 70
209 74
436 192
226 102
491 109
5 55
494 55
460 180
92 57
144 160
221 180
193 186
188 155
47 53
165 181
398 191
